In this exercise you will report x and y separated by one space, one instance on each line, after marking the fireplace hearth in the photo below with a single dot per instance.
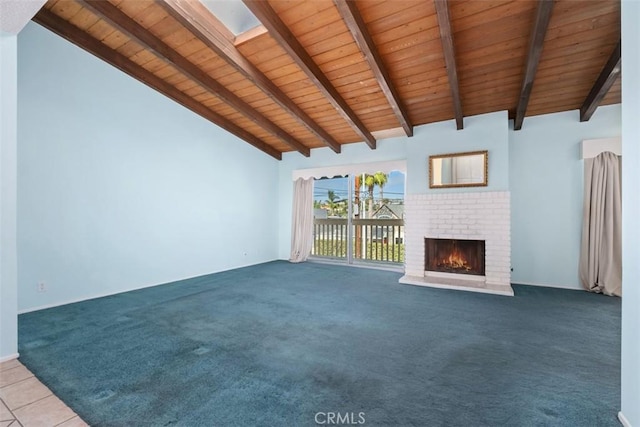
455 256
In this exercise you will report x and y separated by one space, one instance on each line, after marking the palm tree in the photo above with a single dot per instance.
370 181
381 180
331 202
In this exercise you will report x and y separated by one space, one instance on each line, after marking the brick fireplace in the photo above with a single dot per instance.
444 222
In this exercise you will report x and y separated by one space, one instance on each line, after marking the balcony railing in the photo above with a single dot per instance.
379 240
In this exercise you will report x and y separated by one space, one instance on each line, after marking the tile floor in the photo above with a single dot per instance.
25 401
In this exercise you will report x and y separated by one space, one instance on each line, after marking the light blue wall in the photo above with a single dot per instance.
539 164
484 132
547 194
8 139
120 187
630 395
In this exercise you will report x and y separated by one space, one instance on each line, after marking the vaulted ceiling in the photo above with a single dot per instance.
322 73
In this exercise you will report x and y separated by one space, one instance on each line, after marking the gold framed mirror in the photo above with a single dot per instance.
468 169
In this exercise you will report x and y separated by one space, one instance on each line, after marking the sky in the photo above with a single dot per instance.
394 189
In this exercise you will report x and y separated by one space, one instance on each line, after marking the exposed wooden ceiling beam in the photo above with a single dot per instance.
351 16
132 29
446 36
83 40
605 80
536 42
281 33
204 25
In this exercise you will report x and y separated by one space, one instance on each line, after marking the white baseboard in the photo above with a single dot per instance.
623 420
107 294
548 285
9 357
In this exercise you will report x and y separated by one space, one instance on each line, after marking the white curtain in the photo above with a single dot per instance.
601 251
302 220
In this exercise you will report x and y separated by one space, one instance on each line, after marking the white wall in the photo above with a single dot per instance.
8 139
120 187
630 213
484 132
547 193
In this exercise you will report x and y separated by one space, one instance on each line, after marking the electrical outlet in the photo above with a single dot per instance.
42 287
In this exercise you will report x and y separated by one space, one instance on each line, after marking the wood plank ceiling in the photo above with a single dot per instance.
331 72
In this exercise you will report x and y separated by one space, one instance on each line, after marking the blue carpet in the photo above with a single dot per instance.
274 344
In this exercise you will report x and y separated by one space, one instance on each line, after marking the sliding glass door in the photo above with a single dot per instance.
360 218
330 218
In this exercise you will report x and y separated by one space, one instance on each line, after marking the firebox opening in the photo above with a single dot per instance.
455 256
